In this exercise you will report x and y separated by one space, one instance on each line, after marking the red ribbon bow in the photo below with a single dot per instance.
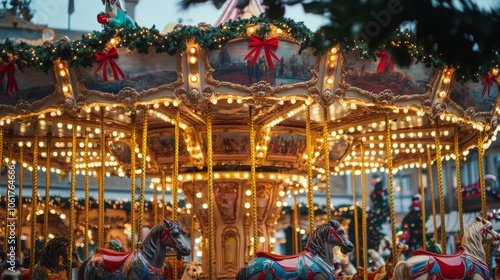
9 68
270 45
382 54
103 59
487 82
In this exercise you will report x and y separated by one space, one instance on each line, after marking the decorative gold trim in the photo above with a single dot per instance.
230 266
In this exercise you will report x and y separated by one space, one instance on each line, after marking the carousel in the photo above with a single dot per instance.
235 117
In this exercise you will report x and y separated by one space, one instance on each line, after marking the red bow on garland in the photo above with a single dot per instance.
103 59
270 45
9 69
382 54
487 82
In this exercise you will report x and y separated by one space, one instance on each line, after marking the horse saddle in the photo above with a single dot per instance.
451 266
113 260
288 263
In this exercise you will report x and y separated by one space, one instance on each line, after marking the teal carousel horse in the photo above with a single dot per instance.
115 16
315 262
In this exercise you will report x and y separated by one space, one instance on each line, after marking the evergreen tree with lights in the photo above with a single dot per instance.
412 226
379 214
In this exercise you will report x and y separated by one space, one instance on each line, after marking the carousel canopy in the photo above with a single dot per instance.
249 75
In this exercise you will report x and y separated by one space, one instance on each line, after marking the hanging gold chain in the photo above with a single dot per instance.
34 197
422 203
484 209
310 197
20 203
133 187
74 153
47 191
391 185
431 190
143 173
439 166
87 197
210 175
458 182
175 176
363 210
253 181
326 151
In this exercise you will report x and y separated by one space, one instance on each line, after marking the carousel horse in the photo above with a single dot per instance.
53 260
9 268
384 270
468 263
193 271
144 263
377 260
315 262
115 16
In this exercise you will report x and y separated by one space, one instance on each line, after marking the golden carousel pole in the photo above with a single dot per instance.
155 205
458 182
480 157
143 171
310 197
326 151
210 181
175 178
391 186
133 187
20 200
101 174
163 187
193 217
422 203
47 192
439 166
363 212
296 229
87 197
253 181
431 190
356 222
9 163
34 197
74 152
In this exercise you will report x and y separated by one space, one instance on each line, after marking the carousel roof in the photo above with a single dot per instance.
217 78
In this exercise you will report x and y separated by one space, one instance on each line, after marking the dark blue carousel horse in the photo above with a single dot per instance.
147 262
53 260
315 262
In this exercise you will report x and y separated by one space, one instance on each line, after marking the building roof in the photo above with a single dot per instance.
230 11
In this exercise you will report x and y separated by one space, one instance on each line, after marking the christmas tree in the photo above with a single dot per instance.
379 214
412 226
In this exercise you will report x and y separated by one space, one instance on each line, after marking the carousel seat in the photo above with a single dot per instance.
428 253
113 260
451 266
288 263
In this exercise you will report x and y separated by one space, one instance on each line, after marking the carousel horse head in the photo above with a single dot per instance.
54 256
315 262
468 263
171 235
193 270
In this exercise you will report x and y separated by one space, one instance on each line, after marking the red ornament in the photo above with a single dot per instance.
270 45
9 69
103 59
382 54
102 18
487 82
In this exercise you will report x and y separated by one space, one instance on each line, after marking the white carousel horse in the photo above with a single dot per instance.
468 263
192 271
377 259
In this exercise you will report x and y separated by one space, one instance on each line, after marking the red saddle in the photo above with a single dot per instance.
289 263
113 260
451 266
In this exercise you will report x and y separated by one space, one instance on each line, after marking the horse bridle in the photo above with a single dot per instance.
487 229
166 235
333 232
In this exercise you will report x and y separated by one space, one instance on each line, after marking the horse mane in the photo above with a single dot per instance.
148 247
315 242
472 241
49 256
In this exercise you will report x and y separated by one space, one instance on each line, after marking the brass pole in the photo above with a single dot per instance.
326 151
422 203
34 197
363 211
484 209
87 196
101 174
133 187
74 152
391 186
211 222
356 222
143 169
440 186
47 191
20 203
310 195
458 182
431 189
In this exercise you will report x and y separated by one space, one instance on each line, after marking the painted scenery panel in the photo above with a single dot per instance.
229 143
121 150
292 67
141 72
162 147
480 96
286 144
338 148
377 76
33 85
